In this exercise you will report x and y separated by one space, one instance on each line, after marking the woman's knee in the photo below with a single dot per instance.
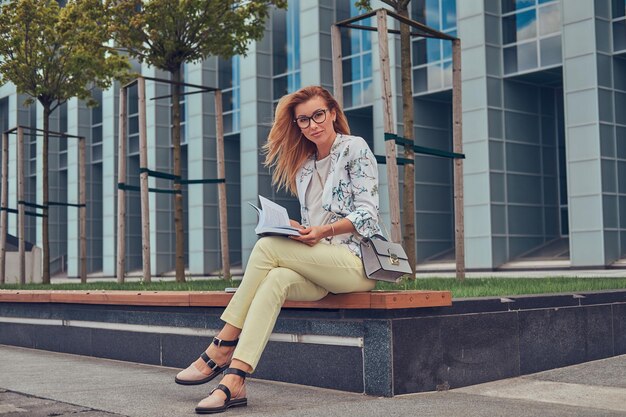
267 243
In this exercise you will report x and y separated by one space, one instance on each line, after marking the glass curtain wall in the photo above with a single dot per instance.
531 34
229 83
286 50
30 173
133 202
432 83
94 188
432 58
356 48
619 26
285 79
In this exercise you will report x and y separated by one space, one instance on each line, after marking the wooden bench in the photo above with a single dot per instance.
386 300
355 334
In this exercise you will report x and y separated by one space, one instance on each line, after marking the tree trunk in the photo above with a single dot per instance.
408 192
178 198
44 220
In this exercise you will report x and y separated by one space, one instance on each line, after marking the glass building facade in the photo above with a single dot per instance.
544 130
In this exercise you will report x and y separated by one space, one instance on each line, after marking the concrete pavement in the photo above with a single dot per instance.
34 383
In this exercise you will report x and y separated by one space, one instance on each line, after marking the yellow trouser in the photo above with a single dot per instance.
280 268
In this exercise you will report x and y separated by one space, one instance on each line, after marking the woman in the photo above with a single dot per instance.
335 178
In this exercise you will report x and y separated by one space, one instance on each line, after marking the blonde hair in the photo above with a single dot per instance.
287 148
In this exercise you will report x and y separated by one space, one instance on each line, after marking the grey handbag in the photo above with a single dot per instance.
383 260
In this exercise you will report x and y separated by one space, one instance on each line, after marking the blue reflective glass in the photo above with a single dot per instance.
293 35
447 49
367 65
417 11
447 46
512 5
279 42
356 68
619 7
448 14
433 48
355 42
432 14
368 92
297 81
346 70
356 94
419 52
347 96
366 37
447 73
519 27
619 36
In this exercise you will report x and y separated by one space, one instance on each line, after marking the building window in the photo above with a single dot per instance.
229 84
94 188
356 48
96 127
619 26
432 58
531 34
133 120
286 50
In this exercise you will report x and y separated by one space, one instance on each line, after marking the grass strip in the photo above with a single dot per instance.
470 287
502 287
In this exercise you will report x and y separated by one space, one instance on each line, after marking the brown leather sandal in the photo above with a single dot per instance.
238 400
192 375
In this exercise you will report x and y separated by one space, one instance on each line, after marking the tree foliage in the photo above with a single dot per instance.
54 53
168 33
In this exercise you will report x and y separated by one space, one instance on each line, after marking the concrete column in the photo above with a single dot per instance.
315 54
477 205
160 158
256 81
582 130
110 122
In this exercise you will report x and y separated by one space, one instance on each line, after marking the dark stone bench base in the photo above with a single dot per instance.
377 352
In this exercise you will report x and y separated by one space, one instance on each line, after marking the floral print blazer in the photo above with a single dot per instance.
350 191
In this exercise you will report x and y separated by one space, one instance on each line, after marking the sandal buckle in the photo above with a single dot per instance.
218 343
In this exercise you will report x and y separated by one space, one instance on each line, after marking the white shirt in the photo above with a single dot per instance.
317 215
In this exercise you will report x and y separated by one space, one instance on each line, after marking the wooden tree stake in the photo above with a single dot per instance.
121 194
221 187
390 146
143 181
459 234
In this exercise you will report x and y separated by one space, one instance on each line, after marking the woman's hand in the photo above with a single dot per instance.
311 235
295 224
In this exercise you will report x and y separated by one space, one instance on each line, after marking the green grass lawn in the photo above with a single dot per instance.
470 287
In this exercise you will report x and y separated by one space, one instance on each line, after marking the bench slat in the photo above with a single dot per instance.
385 300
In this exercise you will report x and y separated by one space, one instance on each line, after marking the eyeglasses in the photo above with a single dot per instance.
318 117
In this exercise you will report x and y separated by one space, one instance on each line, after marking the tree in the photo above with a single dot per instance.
408 192
52 54
168 33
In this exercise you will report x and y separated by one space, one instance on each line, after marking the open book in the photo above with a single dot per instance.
273 219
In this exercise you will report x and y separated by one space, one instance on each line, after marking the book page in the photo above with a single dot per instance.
273 214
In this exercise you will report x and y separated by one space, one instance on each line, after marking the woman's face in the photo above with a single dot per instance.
315 121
